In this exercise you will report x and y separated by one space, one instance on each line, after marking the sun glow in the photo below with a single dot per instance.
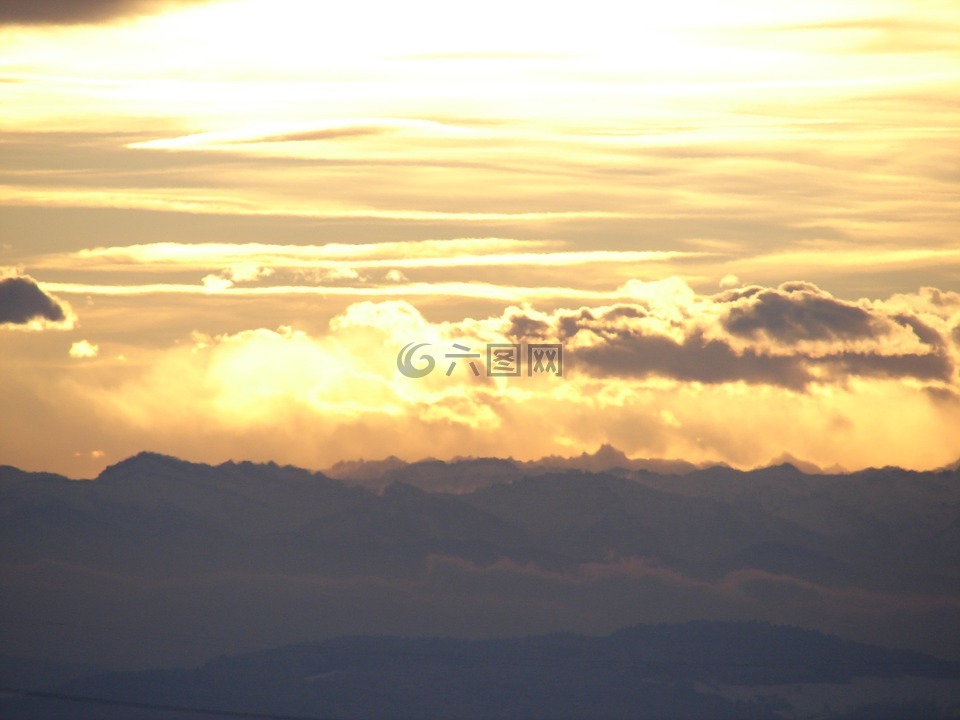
251 62
620 174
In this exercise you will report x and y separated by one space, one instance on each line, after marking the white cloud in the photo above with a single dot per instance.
84 349
216 283
247 272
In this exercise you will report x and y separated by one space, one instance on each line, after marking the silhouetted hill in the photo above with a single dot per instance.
695 670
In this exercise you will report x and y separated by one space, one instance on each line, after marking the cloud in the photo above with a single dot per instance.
248 272
254 260
886 34
300 132
23 303
58 12
332 133
798 311
216 283
791 336
239 273
180 200
84 349
655 372
695 358
493 268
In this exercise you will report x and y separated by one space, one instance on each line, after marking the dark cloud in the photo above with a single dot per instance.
624 311
740 293
72 12
940 298
21 301
695 359
926 334
712 361
928 366
755 335
604 323
569 325
943 395
799 311
522 326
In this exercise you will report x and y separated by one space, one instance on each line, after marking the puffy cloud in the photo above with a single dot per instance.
84 349
216 283
238 273
797 311
789 336
24 304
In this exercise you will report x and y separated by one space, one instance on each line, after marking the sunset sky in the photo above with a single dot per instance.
221 221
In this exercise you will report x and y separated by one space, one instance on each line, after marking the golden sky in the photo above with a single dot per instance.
221 221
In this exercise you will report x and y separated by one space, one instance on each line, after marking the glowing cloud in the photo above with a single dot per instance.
84 349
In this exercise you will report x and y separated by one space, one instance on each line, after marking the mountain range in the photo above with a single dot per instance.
163 562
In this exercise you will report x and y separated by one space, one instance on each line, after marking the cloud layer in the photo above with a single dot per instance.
663 372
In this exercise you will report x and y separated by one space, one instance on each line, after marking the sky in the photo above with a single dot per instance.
221 222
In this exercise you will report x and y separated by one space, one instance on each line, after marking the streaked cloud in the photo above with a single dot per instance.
57 12
218 284
303 133
463 252
359 270
186 202
887 34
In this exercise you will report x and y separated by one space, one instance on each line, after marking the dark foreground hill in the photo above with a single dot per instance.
701 670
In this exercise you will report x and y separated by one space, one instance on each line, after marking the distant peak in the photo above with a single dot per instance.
781 469
788 463
609 453
147 457
141 462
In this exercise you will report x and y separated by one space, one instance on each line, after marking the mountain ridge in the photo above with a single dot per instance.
706 670
466 549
